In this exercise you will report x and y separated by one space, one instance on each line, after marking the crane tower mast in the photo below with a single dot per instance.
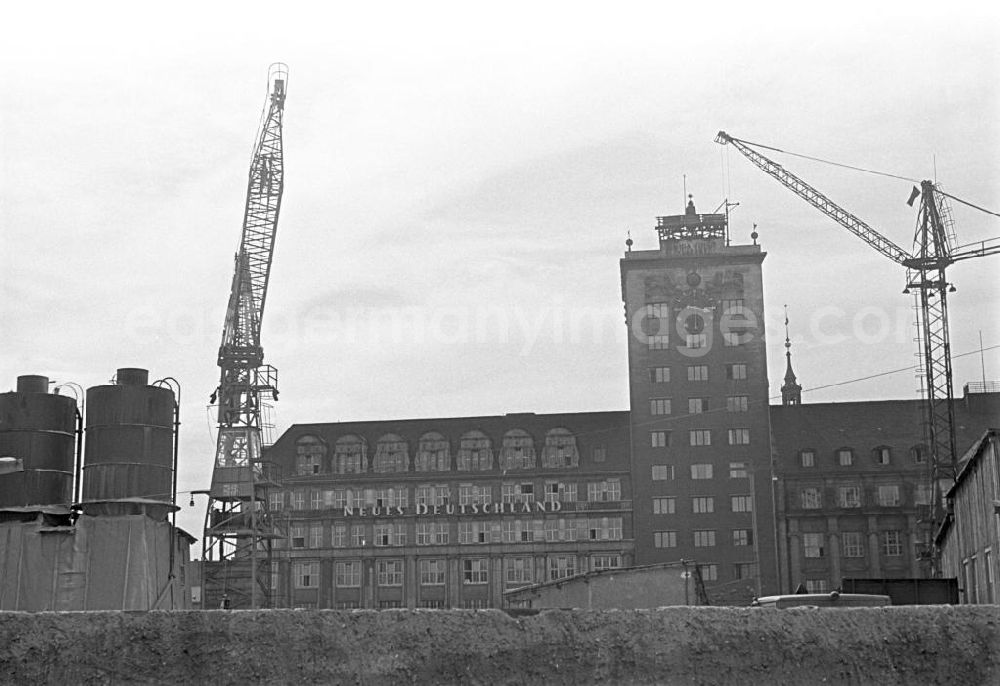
238 527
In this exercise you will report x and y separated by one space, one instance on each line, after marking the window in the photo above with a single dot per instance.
702 504
849 496
881 455
389 572
742 503
816 586
561 566
349 455
517 493
601 562
739 436
298 536
479 531
432 572
697 405
892 545
659 406
812 545
558 492
393 496
600 453
560 448
605 529
659 439
709 572
655 325
475 494
807 458
698 372
888 496
517 451
358 535
665 539
347 574
306 574
854 544
922 494
298 500
742 537
704 538
845 457
432 533
737 403
433 453
316 500
339 535
316 536
475 571
310 452
663 472
696 340
437 494
609 490
701 471
918 454
732 305
664 505
519 571
700 436
561 530
659 374
744 570
276 501
522 530
737 470
475 452
391 454
391 534
811 498
735 372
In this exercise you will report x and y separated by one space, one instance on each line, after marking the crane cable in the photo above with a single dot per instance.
868 171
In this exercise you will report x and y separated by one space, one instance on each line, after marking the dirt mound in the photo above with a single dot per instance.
684 645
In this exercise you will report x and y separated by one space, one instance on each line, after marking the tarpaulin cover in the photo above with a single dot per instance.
101 563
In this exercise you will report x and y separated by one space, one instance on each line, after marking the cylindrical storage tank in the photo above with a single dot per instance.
37 443
129 440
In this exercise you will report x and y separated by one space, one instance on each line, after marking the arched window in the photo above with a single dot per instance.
350 455
391 454
433 453
475 452
518 451
310 455
560 450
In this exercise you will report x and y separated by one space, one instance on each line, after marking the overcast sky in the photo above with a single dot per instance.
459 183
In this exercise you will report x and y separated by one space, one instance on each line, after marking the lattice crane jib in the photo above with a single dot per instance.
238 526
926 271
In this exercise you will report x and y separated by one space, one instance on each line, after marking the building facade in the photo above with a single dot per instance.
853 486
701 460
970 536
443 513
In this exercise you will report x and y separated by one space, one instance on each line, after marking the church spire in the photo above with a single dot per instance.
791 391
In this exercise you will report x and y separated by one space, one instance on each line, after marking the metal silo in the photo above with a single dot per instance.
130 439
37 441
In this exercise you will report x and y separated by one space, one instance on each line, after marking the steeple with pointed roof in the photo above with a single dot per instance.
791 391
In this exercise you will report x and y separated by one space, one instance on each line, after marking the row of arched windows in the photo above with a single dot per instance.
351 455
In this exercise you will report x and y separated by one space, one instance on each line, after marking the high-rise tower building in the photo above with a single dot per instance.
700 434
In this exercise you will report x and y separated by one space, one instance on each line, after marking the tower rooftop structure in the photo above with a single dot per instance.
691 225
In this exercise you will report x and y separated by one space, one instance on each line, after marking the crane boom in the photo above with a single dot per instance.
818 200
237 525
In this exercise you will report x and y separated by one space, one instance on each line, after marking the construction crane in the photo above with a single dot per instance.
932 254
238 527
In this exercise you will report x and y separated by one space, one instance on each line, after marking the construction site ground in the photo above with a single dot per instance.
680 645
